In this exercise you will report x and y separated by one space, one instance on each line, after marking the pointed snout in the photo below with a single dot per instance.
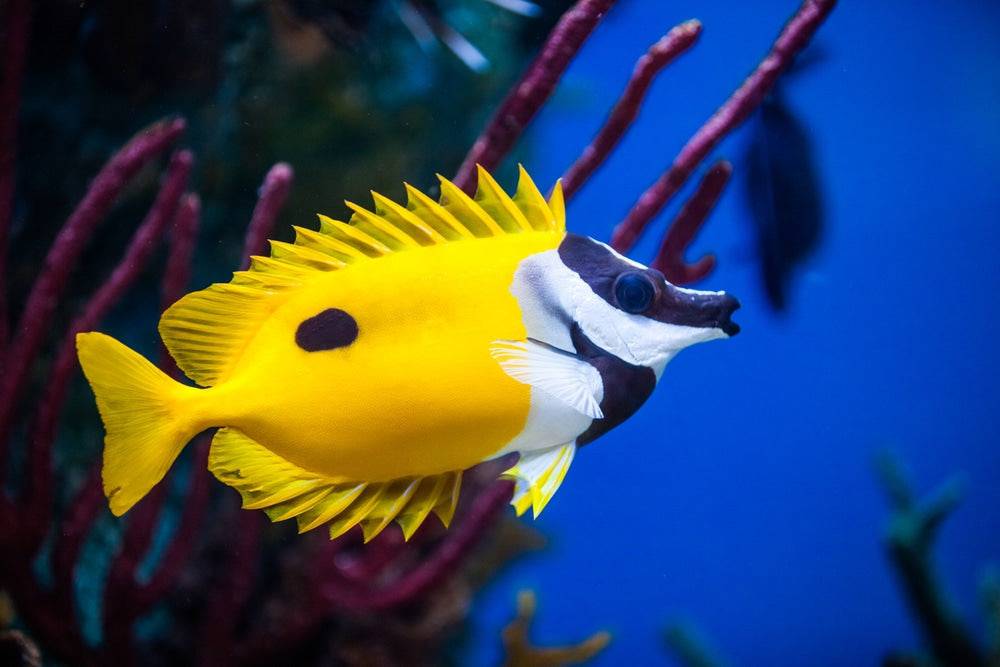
695 308
722 307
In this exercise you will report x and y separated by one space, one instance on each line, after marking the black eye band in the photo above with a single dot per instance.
634 292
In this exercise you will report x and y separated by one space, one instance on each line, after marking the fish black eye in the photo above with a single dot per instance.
634 292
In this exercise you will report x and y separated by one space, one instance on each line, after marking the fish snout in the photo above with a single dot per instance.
726 305
695 308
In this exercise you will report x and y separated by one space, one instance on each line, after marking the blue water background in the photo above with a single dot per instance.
742 496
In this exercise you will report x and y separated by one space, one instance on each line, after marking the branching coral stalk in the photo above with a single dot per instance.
533 90
271 199
49 609
62 257
136 256
430 571
796 34
684 228
910 537
626 109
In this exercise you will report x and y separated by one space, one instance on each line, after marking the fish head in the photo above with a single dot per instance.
632 311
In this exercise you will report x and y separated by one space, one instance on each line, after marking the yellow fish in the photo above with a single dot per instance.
355 373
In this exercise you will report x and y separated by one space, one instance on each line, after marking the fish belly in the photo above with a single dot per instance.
417 392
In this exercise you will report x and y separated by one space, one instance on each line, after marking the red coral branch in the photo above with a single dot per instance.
183 542
683 229
272 196
457 542
177 273
625 111
332 590
796 34
128 269
222 615
62 257
183 235
16 28
532 91
81 513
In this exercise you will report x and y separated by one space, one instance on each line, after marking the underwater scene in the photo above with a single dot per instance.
348 332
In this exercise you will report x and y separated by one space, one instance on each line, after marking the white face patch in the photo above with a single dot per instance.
568 295
552 297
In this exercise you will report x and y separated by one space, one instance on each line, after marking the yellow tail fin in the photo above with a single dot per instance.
144 413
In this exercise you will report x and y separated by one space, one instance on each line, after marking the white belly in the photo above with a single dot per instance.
550 423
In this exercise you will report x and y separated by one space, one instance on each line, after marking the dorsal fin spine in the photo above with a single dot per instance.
309 259
276 266
265 284
463 207
557 204
435 214
418 230
380 228
531 203
308 238
498 205
364 242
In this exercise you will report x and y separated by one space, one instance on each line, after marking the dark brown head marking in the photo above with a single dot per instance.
329 330
600 269
626 386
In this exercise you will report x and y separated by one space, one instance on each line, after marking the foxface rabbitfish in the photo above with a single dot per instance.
355 373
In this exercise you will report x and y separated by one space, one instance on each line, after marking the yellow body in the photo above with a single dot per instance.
370 432
416 394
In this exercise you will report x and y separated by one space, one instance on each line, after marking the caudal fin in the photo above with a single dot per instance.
143 413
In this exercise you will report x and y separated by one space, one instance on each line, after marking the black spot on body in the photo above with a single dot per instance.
626 386
328 330
600 269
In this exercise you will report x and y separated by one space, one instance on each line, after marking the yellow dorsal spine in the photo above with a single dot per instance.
468 212
492 199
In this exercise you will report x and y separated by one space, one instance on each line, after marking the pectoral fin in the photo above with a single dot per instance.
537 477
556 372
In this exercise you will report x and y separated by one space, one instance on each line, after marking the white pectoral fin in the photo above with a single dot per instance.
561 374
537 477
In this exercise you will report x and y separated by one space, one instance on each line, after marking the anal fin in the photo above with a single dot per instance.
285 491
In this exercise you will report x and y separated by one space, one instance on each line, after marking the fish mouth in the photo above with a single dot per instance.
727 306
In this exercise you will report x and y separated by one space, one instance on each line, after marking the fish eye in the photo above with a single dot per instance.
634 292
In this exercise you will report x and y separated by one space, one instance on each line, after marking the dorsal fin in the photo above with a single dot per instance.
207 331
285 491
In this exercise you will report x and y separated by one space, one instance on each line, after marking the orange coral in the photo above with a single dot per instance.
520 652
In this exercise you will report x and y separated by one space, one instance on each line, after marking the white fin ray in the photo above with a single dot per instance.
537 477
559 373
